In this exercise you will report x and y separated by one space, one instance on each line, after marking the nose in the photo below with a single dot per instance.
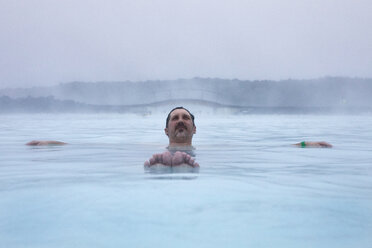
180 123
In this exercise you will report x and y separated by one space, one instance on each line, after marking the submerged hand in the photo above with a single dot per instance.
183 158
166 158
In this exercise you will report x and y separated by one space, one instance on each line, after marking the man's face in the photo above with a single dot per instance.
180 127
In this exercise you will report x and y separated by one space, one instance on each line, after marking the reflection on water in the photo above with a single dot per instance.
162 169
252 189
161 176
180 172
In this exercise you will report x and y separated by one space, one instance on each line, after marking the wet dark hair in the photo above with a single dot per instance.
192 116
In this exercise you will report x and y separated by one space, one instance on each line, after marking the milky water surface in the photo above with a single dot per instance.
253 187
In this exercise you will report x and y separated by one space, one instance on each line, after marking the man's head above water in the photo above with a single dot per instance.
180 127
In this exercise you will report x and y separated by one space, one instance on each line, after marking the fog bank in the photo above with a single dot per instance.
287 95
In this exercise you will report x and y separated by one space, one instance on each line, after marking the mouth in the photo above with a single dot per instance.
181 127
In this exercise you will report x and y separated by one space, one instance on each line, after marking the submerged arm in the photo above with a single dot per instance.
322 144
45 143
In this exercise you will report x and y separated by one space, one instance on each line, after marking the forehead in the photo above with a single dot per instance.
179 112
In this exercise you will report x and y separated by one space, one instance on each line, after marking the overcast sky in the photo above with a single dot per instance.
52 41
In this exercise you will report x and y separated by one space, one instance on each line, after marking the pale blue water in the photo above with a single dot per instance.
253 188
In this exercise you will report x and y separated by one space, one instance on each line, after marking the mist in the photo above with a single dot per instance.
44 43
213 95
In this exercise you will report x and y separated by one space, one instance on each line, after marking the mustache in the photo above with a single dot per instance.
181 124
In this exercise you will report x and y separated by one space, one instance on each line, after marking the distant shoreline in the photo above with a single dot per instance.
324 95
51 105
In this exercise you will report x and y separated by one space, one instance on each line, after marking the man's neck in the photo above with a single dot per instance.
182 148
183 144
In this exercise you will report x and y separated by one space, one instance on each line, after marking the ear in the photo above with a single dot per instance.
194 130
166 131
